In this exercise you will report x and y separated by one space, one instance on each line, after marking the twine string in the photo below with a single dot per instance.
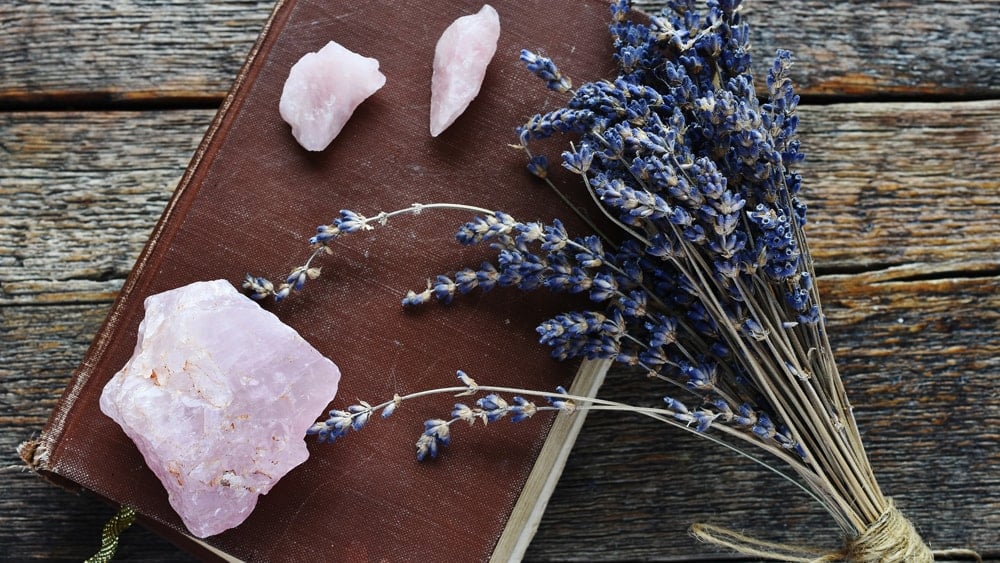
890 539
746 545
109 536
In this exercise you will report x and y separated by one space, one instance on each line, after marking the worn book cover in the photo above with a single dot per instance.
249 202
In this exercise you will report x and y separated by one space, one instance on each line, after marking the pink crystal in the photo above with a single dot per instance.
322 91
460 60
217 396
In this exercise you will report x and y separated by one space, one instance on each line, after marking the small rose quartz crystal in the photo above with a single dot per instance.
322 91
217 396
460 59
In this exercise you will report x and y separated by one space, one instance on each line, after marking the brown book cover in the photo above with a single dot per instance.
250 200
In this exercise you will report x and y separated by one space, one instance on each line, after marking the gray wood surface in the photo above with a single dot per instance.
103 104
135 51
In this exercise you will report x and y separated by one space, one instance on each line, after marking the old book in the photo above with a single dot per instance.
249 201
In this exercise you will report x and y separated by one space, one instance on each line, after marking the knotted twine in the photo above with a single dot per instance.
890 539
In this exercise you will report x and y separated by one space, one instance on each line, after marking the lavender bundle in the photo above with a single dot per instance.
706 285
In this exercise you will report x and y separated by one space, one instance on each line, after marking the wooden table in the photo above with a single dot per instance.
103 103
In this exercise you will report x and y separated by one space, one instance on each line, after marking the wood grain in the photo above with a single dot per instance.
72 183
892 184
106 53
888 185
883 48
904 222
68 52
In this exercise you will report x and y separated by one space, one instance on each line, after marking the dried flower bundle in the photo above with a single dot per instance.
706 284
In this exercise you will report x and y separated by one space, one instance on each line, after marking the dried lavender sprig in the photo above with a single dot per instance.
520 267
493 407
538 165
544 68
348 222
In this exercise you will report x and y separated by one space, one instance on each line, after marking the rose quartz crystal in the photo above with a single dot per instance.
460 60
218 396
322 91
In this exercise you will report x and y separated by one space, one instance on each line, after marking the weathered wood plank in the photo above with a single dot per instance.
81 196
118 51
892 184
880 48
921 360
109 52
889 184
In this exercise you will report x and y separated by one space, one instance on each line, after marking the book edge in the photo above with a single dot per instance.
541 483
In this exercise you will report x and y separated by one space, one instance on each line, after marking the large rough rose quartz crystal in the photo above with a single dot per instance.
460 59
217 396
322 91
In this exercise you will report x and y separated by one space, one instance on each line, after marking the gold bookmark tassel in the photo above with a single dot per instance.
109 536
890 539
